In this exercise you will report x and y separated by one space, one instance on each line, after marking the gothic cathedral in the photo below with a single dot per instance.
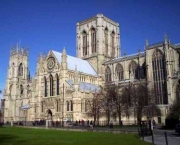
63 84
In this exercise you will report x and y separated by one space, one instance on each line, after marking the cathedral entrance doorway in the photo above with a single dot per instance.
49 114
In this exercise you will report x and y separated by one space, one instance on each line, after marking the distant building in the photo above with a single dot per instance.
63 83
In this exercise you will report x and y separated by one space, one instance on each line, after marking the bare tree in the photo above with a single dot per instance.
143 98
119 101
94 106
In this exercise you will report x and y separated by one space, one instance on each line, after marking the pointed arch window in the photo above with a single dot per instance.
21 89
71 102
113 43
159 77
143 71
51 85
42 107
84 36
45 87
108 74
93 40
20 70
67 103
119 72
133 69
57 84
28 89
106 40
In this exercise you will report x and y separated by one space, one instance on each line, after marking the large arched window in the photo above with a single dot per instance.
106 39
113 43
93 40
119 72
20 70
45 87
159 77
133 69
108 74
143 71
84 36
51 85
57 84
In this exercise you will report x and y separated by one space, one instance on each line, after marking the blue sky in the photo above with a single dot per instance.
42 25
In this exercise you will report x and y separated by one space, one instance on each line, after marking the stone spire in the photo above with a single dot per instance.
64 59
76 75
147 42
64 51
76 79
165 38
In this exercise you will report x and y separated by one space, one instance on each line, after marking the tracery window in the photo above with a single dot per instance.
51 85
93 40
108 74
113 43
84 35
159 77
119 72
106 40
20 70
45 87
57 84
133 69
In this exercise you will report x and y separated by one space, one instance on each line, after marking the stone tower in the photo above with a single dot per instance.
16 83
98 40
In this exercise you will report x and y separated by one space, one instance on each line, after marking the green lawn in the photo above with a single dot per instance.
25 136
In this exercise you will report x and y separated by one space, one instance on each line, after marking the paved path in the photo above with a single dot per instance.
159 137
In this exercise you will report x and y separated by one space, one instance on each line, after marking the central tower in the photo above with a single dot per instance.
97 40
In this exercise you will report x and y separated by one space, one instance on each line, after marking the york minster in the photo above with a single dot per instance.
63 83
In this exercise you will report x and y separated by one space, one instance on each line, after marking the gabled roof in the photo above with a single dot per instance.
126 57
83 86
73 62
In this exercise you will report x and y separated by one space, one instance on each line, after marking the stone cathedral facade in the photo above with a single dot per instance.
63 83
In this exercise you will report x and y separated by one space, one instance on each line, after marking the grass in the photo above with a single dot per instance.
29 136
